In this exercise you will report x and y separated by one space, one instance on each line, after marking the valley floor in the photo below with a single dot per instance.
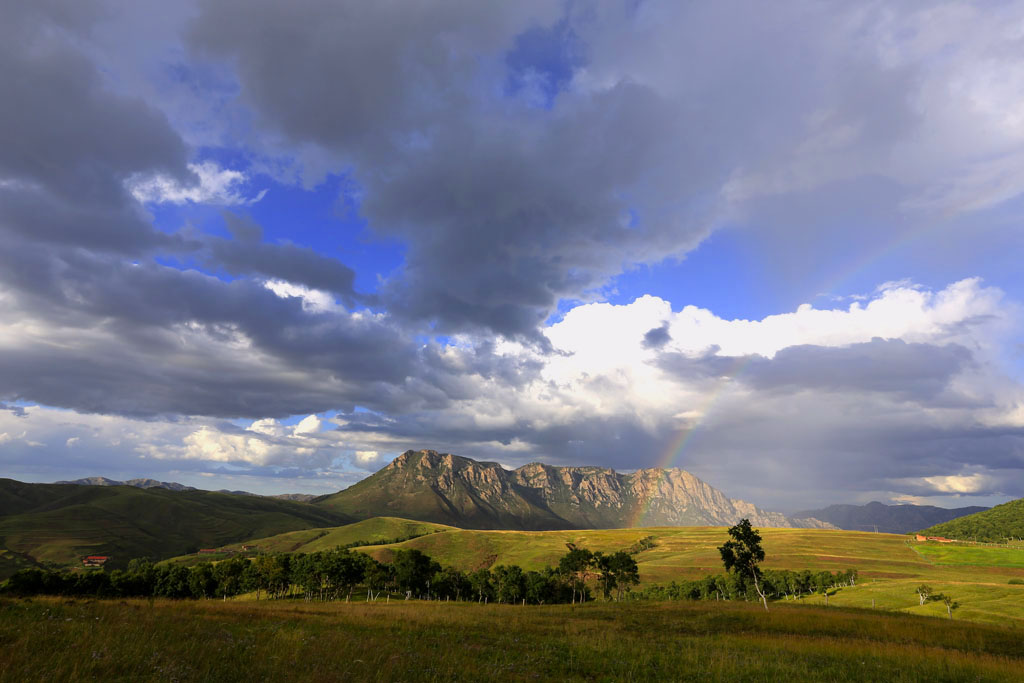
138 640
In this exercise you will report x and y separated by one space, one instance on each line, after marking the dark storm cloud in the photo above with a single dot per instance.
912 371
79 252
17 411
294 263
68 144
656 337
136 362
505 208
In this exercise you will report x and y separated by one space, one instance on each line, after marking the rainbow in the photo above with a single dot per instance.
685 436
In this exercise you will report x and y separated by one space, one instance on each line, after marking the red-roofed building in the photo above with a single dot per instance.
95 560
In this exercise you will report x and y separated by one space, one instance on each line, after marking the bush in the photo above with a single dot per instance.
1016 582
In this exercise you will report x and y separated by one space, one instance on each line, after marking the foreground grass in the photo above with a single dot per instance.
52 639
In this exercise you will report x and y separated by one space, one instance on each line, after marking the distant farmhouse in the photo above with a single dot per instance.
95 560
939 539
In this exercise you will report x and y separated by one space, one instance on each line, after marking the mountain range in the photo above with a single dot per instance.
450 489
890 519
175 486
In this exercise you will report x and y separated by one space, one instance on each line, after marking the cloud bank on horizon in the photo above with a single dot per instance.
269 246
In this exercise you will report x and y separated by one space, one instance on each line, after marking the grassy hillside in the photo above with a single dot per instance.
691 552
313 540
416 641
890 566
60 523
994 525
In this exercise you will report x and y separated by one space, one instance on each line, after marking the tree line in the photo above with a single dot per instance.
335 575
775 583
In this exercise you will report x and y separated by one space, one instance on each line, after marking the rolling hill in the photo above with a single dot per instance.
890 519
994 525
369 532
449 489
59 523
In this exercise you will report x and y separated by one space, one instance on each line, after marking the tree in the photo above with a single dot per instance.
482 584
575 565
924 592
229 575
951 605
508 583
201 580
743 553
413 571
615 572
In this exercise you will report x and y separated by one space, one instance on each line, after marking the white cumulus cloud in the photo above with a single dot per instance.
215 185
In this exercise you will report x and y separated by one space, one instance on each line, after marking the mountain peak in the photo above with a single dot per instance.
452 489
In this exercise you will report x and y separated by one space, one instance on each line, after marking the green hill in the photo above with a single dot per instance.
890 566
59 523
994 525
689 553
368 531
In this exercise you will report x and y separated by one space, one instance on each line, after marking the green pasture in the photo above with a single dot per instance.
890 566
136 640
692 552
314 540
972 555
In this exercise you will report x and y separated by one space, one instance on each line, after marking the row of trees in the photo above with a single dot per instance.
335 574
772 584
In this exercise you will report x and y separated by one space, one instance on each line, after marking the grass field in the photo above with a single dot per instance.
890 566
692 552
51 639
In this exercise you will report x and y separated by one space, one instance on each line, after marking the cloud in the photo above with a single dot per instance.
959 483
215 185
367 457
510 197
807 414
520 159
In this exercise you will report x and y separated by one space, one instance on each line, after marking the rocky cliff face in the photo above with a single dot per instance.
445 488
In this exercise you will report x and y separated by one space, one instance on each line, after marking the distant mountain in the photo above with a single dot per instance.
137 483
891 519
174 486
295 497
449 489
61 522
994 525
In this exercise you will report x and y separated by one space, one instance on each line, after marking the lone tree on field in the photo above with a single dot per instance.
743 553
951 605
924 592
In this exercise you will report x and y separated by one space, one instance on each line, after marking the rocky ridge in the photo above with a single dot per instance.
450 489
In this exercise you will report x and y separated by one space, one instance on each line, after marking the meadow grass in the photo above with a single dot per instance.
891 566
976 555
136 640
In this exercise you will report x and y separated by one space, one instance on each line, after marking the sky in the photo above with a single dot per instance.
270 246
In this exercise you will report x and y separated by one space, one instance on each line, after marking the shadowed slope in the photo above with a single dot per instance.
61 522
